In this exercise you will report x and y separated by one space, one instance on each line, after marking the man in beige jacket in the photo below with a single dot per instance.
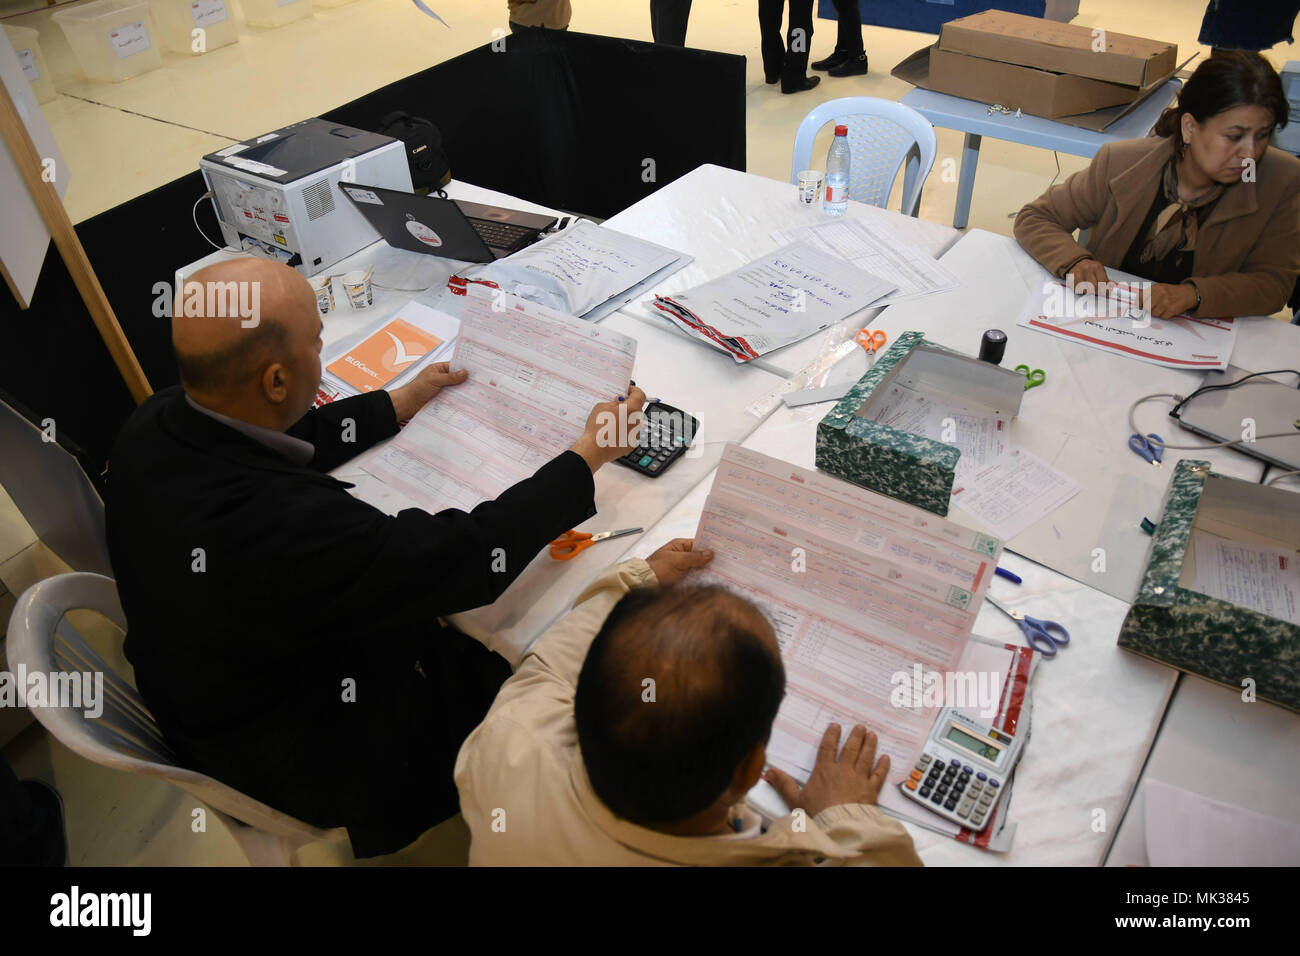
670 691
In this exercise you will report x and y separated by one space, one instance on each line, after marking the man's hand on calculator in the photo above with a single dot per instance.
851 775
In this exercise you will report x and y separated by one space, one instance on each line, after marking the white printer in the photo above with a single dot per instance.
277 195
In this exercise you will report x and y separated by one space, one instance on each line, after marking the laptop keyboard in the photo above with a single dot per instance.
502 235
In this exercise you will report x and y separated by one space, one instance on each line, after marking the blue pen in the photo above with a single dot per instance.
1004 573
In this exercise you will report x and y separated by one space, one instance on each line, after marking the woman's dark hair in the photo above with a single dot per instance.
1228 79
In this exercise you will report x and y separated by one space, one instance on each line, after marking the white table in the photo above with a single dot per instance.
1218 746
1078 420
726 218
976 121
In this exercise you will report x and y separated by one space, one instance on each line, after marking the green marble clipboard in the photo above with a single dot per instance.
1215 639
903 465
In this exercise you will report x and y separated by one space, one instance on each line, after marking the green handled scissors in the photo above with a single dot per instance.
1033 377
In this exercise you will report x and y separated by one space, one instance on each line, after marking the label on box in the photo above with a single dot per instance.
130 39
253 166
206 12
28 60
231 150
268 137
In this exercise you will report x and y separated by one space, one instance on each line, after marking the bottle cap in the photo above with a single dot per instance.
841 130
993 346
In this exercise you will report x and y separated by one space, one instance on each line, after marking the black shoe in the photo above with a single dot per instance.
808 83
770 80
831 62
857 66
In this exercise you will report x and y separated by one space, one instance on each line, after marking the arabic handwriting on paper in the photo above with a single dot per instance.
1013 492
1252 576
980 437
1117 324
878 250
874 588
775 300
534 376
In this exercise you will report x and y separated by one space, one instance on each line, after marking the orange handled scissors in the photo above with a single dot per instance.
570 543
871 340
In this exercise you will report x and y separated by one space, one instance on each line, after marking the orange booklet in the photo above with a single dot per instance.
385 355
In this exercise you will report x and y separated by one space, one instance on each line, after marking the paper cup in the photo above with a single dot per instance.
324 287
810 187
357 286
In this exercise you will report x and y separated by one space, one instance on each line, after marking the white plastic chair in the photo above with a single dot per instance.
125 736
883 134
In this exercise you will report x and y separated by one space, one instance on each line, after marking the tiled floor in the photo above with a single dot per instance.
123 139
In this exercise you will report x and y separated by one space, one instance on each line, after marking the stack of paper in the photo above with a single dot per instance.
860 589
534 376
774 301
587 270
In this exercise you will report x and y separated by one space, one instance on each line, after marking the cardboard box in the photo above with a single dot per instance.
1033 91
903 465
1175 624
915 69
1060 48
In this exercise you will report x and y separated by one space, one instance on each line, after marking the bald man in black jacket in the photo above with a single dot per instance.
286 635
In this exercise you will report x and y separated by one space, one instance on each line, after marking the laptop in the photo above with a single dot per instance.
450 228
1220 415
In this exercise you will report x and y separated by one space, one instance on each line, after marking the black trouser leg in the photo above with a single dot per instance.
848 37
798 36
769 27
668 20
25 828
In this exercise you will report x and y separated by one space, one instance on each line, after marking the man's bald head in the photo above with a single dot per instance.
718 681
236 326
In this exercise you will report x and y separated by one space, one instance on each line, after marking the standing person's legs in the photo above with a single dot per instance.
769 28
799 33
668 19
848 37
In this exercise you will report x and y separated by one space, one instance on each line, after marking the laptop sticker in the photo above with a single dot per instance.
423 233
365 195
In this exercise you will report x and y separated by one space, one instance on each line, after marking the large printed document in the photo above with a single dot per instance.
860 589
587 270
1116 323
534 375
781 298
877 249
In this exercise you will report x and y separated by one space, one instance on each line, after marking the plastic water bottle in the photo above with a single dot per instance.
838 162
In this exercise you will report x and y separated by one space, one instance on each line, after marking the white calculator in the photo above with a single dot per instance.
963 769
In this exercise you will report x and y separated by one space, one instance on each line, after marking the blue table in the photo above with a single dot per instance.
974 119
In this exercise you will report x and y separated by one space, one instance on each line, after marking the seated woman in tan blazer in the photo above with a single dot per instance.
1204 208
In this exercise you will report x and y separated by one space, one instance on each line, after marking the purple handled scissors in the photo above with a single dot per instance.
1046 637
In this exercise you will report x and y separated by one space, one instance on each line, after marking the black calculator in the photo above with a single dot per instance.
665 436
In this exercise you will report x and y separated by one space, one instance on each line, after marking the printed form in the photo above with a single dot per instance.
858 587
534 375
980 437
1117 324
875 248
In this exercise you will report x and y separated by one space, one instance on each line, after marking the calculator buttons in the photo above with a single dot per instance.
968 769
926 758
993 783
937 798
986 800
981 776
917 774
644 461
654 465
964 809
911 785
925 791
954 763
